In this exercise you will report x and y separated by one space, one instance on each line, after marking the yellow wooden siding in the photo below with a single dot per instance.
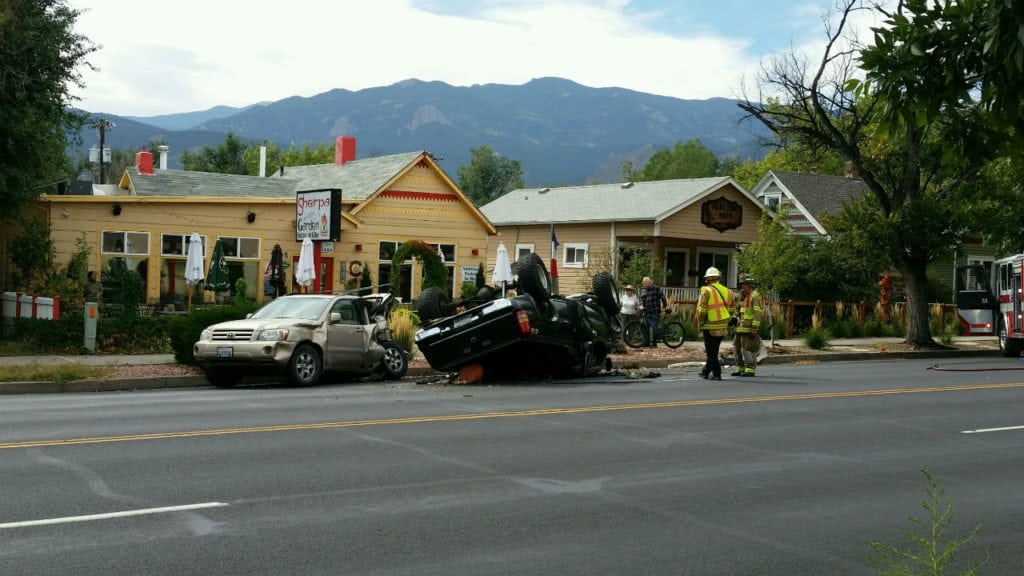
687 224
597 237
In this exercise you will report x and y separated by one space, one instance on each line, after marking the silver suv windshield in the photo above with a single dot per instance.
300 307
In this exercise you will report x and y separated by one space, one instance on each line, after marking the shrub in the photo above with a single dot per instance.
403 324
185 330
816 338
468 290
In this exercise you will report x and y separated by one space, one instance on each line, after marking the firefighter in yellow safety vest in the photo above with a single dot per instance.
747 339
712 319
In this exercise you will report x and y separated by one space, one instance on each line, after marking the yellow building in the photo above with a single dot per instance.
146 221
687 226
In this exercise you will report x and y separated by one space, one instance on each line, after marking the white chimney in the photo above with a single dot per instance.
263 161
163 156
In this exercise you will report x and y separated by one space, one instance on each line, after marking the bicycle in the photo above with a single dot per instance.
670 332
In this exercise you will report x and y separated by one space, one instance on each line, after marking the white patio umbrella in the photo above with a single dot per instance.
502 268
194 264
305 270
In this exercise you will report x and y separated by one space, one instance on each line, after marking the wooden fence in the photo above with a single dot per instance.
684 301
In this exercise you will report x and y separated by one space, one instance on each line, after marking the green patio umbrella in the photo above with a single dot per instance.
217 278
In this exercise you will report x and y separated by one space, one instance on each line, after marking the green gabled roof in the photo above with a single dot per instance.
185 183
358 179
601 202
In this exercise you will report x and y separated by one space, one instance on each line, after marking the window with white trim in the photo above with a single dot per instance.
445 251
772 200
240 247
575 255
523 250
177 244
120 242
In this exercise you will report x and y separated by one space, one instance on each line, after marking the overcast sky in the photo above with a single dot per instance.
162 57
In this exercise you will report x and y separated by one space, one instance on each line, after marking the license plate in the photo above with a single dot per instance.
225 351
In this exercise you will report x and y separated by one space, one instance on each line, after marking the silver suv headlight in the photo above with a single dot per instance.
275 335
206 335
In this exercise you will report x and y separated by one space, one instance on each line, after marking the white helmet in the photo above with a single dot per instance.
712 273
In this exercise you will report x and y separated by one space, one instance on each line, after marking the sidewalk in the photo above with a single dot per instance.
785 351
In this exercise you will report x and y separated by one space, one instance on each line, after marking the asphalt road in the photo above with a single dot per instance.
788 473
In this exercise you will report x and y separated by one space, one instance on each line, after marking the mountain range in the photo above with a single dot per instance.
562 132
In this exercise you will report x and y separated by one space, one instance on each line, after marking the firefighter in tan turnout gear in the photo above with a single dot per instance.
747 339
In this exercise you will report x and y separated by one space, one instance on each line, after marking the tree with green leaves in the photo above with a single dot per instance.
688 159
843 266
304 155
40 57
913 156
488 175
791 158
226 158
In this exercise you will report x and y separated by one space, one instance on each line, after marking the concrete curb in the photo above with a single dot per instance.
193 381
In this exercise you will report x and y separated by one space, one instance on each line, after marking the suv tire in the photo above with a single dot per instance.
434 303
305 366
534 278
395 362
607 293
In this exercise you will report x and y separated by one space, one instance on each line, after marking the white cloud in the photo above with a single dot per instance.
190 55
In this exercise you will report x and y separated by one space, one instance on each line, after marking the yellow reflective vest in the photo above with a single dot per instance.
750 311
713 307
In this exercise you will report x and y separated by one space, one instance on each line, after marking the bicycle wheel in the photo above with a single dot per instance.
672 334
633 334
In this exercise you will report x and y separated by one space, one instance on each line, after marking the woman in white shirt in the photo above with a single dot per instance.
629 305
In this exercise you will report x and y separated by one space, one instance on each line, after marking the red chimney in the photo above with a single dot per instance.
344 150
144 162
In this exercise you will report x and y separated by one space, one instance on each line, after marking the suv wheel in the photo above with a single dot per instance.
434 303
534 278
396 361
305 366
607 293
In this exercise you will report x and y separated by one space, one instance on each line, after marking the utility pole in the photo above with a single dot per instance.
102 125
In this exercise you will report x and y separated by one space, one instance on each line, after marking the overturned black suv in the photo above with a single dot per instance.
532 334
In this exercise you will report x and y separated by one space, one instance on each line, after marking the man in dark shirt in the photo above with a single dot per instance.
652 301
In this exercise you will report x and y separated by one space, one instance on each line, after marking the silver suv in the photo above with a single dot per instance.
301 337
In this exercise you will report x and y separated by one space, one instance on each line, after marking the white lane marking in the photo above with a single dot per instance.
124 514
979 430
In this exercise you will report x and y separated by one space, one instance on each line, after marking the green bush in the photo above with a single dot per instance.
184 331
123 334
469 290
132 334
873 329
816 338
778 331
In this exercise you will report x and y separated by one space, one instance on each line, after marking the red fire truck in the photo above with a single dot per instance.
989 301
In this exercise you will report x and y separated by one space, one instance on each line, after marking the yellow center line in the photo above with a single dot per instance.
489 415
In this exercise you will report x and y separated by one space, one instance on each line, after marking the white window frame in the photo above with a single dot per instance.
185 240
769 198
448 251
239 243
522 249
575 247
128 246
